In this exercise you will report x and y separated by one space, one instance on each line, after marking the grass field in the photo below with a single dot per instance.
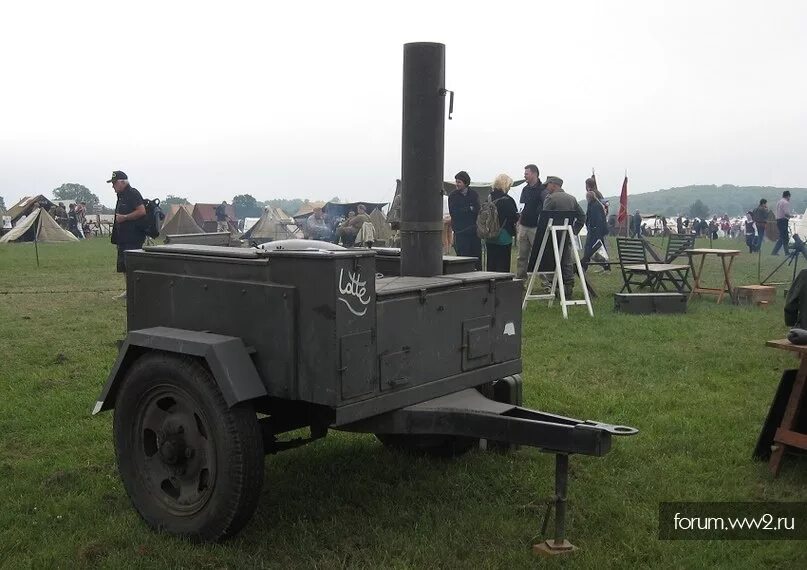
697 386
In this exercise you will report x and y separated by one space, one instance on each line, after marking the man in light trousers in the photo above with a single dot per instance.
532 196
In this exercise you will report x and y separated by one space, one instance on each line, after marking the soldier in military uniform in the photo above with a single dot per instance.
559 201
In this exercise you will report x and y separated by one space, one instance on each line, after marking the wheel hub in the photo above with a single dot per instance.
178 457
173 451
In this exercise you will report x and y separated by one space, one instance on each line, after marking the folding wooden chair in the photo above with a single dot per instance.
633 263
678 275
637 271
677 245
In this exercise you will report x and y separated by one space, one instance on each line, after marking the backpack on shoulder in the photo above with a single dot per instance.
152 222
487 223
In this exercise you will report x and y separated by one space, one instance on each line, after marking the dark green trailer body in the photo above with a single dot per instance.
321 329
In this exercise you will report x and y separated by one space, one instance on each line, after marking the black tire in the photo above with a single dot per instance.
433 445
190 465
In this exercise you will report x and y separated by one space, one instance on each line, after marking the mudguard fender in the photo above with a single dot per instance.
226 356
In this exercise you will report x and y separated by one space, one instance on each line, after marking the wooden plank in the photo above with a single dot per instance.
656 267
789 419
706 250
649 248
784 344
791 438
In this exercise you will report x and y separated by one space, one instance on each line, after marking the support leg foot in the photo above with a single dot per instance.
552 548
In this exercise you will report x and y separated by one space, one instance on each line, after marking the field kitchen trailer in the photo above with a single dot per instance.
229 348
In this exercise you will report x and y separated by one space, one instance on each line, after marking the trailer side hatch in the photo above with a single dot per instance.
477 343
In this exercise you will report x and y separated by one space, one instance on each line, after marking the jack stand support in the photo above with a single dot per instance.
558 545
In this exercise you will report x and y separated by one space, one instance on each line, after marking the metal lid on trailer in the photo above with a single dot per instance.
388 251
397 285
457 258
477 276
251 252
309 253
208 250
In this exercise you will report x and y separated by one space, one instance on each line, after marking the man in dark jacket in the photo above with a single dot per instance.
532 196
60 215
796 302
72 220
222 218
127 233
760 215
637 224
463 206
596 227
560 201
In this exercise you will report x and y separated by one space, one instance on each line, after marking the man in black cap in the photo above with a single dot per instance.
559 201
463 206
127 233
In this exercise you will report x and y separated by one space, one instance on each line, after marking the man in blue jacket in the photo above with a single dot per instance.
463 206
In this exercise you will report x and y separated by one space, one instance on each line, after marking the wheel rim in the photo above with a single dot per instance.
174 450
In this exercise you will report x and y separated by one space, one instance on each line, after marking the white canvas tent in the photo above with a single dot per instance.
172 210
799 226
249 222
306 210
26 206
268 228
38 226
181 223
383 231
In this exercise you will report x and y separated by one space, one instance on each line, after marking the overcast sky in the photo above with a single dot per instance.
303 99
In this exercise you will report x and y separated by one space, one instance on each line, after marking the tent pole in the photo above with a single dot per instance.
36 235
759 262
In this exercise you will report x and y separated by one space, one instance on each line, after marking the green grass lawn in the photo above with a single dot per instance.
697 385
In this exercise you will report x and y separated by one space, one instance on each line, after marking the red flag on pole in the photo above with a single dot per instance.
622 217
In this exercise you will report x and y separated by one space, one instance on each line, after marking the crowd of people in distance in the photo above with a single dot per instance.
752 227
520 227
355 228
512 226
73 218
756 222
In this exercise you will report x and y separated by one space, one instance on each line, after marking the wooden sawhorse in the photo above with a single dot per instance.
785 435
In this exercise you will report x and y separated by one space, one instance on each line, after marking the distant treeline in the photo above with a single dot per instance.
719 200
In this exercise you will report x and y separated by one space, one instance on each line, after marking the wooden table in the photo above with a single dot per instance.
785 435
727 260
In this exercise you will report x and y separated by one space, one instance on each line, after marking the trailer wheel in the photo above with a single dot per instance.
190 465
433 445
